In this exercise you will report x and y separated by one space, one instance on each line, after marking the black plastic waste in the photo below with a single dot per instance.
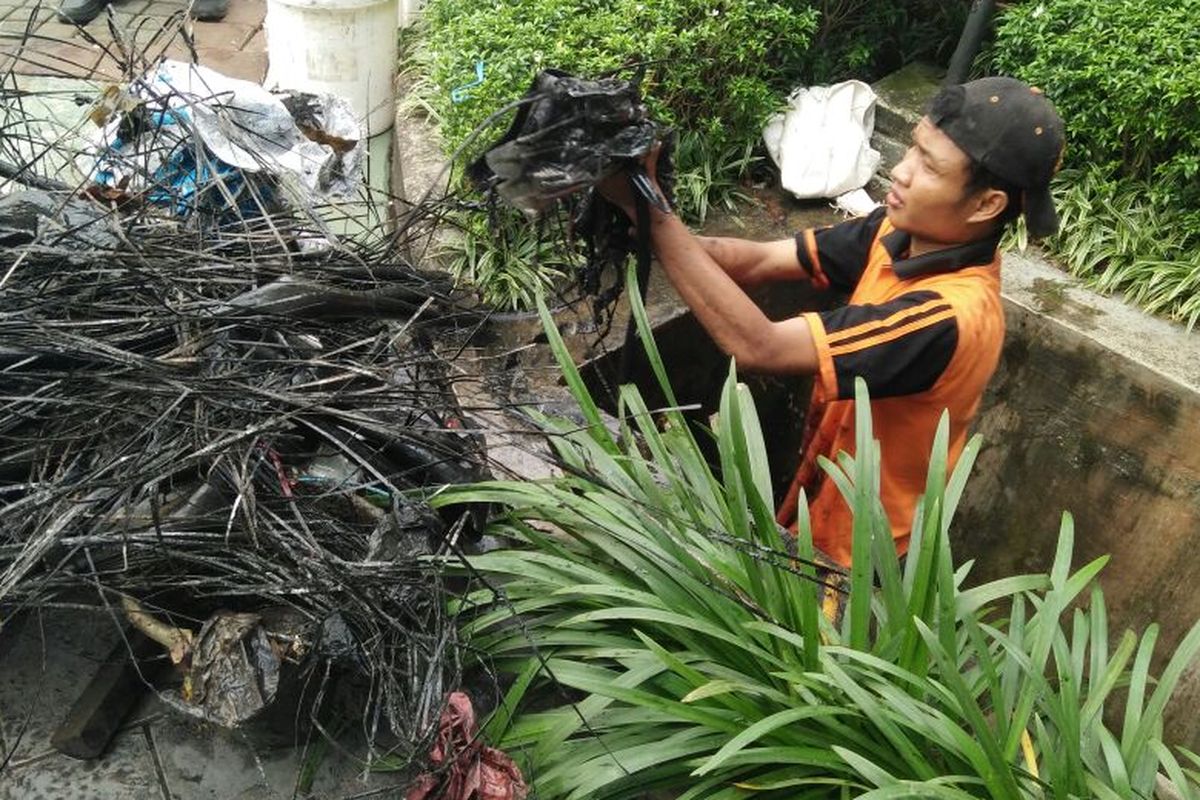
569 134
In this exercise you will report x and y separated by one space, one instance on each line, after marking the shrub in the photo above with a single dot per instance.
712 67
716 67
867 39
1126 77
1124 74
695 659
715 70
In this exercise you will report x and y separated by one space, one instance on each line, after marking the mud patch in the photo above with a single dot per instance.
1051 297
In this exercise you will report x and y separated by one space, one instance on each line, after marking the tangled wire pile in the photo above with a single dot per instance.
172 433
220 420
222 428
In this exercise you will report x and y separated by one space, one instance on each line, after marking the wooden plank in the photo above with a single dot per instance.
115 688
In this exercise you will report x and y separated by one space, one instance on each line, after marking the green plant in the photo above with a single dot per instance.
1119 240
508 258
867 39
713 180
665 605
1118 236
1131 101
1126 77
740 58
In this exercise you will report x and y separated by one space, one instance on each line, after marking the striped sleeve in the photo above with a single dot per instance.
900 347
835 257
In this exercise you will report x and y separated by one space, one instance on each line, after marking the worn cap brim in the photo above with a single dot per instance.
1040 217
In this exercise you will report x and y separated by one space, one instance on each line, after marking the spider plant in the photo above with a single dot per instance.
508 259
662 636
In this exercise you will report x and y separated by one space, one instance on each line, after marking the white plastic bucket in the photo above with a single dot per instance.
347 47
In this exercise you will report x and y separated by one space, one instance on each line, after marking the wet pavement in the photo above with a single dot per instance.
41 44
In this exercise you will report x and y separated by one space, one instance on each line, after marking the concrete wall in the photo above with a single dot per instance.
1093 410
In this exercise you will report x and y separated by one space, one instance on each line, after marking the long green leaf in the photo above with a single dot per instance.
578 389
858 612
758 730
646 334
867 768
1151 720
996 773
497 724
888 729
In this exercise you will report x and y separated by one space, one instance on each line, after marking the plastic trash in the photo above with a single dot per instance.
568 134
856 203
822 142
460 94
189 138
462 766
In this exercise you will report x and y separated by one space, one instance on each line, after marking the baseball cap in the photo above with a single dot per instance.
1011 129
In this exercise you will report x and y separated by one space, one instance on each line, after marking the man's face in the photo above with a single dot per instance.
928 198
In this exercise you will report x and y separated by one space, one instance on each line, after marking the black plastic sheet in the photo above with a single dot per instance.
569 134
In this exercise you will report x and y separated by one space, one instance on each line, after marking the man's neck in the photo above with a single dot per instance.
919 247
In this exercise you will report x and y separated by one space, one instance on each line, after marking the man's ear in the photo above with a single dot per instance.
989 205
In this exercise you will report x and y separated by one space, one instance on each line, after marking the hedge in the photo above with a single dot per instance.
1125 74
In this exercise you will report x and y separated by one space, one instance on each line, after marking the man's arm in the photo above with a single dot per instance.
751 263
737 325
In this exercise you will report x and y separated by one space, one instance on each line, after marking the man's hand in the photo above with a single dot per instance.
618 188
737 325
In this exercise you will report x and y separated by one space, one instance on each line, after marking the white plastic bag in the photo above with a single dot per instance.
822 143
199 136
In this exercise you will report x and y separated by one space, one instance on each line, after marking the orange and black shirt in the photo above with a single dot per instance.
924 333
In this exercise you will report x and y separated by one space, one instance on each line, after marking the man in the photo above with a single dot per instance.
924 323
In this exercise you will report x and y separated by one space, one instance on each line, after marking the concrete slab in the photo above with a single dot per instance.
419 168
158 753
126 773
902 98
1163 347
202 763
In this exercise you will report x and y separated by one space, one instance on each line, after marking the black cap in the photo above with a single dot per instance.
1011 129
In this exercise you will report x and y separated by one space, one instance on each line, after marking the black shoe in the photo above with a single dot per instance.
208 10
80 12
